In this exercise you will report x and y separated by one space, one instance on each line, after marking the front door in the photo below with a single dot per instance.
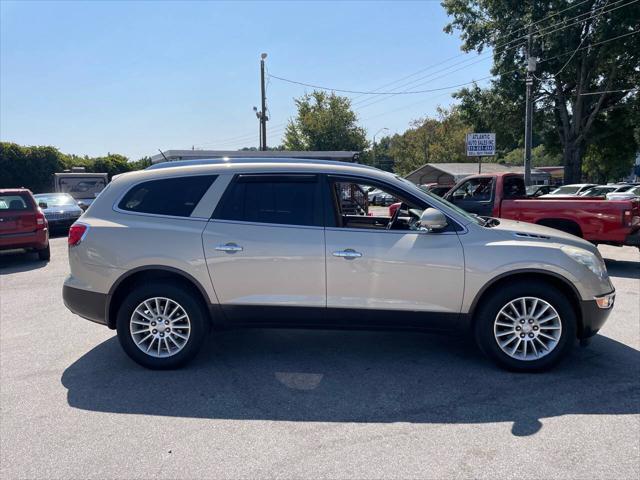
264 247
474 195
381 263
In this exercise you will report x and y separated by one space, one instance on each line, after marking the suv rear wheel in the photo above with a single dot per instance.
526 326
161 325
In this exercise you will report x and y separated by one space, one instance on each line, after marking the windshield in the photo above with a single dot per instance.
439 201
53 200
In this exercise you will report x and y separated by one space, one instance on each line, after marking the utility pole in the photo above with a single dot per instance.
528 120
374 145
263 112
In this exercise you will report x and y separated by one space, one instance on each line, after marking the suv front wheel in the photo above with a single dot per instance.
161 325
526 326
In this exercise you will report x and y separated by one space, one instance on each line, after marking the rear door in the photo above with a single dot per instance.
17 214
264 247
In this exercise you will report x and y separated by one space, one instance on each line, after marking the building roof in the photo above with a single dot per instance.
461 170
172 155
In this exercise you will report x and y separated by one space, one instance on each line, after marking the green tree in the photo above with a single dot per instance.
324 122
29 167
428 140
577 59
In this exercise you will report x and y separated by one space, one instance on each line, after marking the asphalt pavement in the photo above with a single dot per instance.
307 404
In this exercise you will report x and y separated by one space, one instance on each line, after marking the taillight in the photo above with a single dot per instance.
629 219
41 221
77 233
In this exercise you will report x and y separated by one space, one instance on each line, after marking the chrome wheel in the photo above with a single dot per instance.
160 327
527 328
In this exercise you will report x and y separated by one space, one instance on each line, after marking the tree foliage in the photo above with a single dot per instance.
324 122
33 167
428 140
577 56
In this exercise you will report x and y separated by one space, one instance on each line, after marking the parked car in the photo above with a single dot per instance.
537 190
378 197
603 190
162 254
82 186
435 188
60 209
570 190
633 192
502 195
22 223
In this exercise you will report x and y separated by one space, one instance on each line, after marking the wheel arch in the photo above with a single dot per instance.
528 275
123 284
562 224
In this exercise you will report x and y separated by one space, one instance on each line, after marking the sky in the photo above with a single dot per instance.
133 77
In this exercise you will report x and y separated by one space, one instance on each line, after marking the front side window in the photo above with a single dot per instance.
275 199
475 190
168 196
359 205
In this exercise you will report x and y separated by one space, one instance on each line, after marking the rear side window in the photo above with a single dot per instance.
281 199
14 203
170 196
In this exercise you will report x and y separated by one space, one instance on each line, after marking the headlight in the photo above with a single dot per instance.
588 259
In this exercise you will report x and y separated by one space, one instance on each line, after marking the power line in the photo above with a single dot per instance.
611 91
412 92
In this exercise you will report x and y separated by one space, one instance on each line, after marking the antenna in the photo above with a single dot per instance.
165 158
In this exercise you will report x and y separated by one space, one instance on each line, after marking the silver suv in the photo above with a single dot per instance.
164 253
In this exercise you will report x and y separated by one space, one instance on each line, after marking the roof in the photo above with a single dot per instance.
471 168
173 155
235 161
261 165
14 190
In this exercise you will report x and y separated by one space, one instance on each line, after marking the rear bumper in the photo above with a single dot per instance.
89 305
633 240
38 240
593 317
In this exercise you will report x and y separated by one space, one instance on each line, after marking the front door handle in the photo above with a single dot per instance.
229 248
348 254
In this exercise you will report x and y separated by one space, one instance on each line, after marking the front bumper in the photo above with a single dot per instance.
89 305
593 316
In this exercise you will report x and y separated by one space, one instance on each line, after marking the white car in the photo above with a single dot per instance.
570 190
627 195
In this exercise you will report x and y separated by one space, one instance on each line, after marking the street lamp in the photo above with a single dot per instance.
374 143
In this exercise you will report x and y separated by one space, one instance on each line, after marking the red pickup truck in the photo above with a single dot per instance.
503 195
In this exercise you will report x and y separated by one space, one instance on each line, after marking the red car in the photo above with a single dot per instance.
22 223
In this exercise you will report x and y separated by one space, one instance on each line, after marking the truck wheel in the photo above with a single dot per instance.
161 325
45 253
526 327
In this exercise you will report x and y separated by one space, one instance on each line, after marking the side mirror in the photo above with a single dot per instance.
43 205
433 219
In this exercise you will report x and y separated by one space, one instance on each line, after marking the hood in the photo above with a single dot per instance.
532 232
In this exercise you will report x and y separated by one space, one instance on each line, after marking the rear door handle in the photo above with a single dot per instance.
229 248
348 254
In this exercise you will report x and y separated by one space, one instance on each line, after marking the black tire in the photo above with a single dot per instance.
190 303
496 300
45 253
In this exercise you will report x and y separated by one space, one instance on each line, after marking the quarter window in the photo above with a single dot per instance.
285 199
169 196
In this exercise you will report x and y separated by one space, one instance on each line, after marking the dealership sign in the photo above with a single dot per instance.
481 144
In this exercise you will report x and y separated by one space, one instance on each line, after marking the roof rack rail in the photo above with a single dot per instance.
221 161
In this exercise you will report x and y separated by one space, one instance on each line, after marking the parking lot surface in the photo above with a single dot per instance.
315 404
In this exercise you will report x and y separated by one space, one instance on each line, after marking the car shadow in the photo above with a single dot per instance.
19 261
623 268
335 376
